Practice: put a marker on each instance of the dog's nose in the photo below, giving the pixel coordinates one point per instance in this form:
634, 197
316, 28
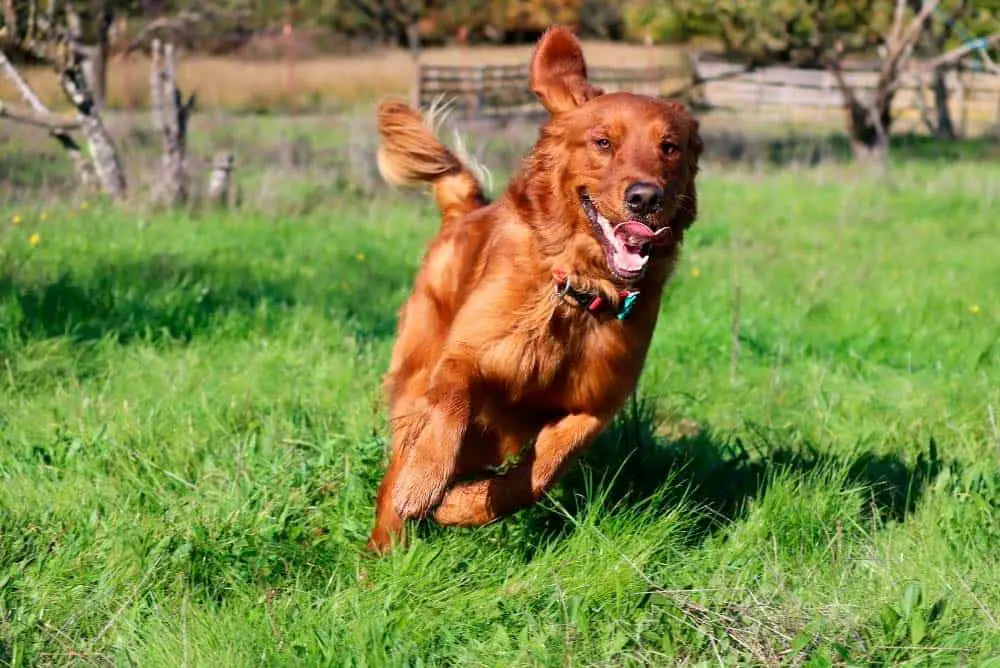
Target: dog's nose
643, 198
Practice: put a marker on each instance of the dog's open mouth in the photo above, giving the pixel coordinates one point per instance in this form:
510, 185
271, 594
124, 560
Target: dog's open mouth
626, 244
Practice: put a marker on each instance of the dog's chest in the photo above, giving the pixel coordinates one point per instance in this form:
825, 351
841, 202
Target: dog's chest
599, 373
579, 366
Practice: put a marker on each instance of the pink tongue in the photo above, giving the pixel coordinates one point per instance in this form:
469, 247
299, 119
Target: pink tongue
634, 234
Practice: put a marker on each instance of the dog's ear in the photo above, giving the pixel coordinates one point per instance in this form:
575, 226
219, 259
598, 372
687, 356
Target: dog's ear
687, 209
558, 72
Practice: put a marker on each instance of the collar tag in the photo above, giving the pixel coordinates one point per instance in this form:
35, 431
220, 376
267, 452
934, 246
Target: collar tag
627, 304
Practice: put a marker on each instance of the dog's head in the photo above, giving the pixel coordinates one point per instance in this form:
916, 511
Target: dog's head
620, 167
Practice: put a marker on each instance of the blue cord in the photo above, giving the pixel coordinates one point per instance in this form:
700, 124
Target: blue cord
974, 43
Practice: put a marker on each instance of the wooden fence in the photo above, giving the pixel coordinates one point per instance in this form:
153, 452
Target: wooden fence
492, 91
970, 93
502, 91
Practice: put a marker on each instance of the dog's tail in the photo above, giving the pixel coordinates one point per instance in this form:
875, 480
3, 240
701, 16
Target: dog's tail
410, 154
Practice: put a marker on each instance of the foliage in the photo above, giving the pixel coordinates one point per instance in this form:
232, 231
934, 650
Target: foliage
796, 31
822, 33
508, 20
788, 29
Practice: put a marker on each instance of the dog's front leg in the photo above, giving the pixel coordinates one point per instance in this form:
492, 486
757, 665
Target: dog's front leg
429, 461
483, 501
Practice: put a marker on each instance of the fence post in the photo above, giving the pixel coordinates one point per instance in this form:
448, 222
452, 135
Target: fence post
697, 89
998, 108
220, 180
758, 79
650, 86
289, 44
479, 83
963, 93
417, 85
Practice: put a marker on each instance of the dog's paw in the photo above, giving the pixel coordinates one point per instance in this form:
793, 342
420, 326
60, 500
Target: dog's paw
465, 505
379, 544
419, 487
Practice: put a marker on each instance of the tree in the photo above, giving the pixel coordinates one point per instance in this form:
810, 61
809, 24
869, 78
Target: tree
825, 34
171, 113
950, 28
53, 35
393, 20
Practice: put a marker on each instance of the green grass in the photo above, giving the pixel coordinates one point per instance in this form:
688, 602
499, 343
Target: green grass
191, 431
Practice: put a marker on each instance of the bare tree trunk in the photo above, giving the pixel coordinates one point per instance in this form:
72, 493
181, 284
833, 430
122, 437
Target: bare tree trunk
103, 151
220, 181
963, 107
95, 73
102, 51
944, 127
10, 21
77, 86
81, 166
868, 121
91, 59
869, 126
170, 116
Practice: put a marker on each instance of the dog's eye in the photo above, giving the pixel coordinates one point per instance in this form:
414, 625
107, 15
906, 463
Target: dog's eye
669, 148
603, 143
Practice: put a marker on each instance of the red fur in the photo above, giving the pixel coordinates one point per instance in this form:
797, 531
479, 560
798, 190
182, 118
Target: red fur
487, 359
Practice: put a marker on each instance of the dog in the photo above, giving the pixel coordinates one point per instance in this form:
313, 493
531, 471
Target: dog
530, 318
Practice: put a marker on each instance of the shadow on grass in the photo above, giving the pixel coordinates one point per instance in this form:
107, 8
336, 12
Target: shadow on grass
168, 297
631, 464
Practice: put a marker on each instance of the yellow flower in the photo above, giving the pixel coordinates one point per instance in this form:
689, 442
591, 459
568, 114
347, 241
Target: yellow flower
84, 204
16, 219
34, 239
695, 272
43, 216
360, 257
974, 309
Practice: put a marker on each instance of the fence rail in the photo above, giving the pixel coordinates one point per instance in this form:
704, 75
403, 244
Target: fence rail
787, 86
502, 91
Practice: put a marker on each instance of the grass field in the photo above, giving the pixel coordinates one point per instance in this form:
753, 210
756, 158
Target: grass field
191, 432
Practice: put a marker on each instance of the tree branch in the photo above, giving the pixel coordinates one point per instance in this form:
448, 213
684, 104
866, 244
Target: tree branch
21, 85
916, 26
83, 168
181, 21
10, 21
956, 54
846, 90
48, 122
948, 59
897, 21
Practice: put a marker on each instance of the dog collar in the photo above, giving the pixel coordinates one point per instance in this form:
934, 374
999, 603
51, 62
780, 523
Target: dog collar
593, 302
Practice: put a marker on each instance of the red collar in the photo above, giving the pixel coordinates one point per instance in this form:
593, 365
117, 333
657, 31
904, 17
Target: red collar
593, 302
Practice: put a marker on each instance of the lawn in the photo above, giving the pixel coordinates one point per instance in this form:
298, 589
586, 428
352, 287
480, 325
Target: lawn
191, 432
